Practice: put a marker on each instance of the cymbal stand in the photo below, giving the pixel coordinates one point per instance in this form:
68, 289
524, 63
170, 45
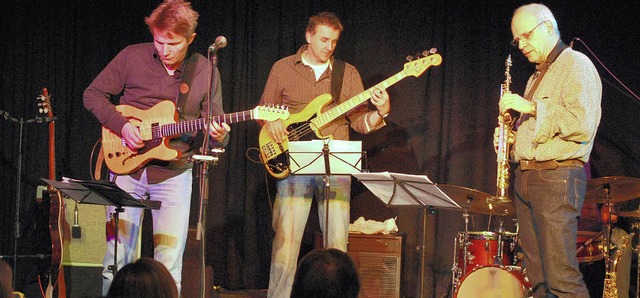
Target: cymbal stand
498, 257
462, 240
607, 233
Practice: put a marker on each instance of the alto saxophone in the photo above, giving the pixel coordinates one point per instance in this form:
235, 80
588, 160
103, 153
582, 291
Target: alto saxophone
505, 123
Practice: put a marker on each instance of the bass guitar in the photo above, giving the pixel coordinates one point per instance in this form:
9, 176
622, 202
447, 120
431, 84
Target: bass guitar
56, 206
158, 125
299, 124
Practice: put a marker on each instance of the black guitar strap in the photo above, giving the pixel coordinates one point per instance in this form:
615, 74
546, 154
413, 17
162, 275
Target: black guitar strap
337, 73
185, 84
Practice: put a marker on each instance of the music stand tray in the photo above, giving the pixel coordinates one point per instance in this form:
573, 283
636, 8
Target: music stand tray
395, 189
102, 192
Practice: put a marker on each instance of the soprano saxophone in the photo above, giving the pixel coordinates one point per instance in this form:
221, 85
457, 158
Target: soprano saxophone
505, 123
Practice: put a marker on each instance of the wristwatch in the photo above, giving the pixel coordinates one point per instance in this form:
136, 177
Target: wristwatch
383, 116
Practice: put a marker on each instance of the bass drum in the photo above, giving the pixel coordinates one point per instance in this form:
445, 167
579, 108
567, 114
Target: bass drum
494, 281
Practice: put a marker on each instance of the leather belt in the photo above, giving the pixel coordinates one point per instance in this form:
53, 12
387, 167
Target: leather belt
527, 165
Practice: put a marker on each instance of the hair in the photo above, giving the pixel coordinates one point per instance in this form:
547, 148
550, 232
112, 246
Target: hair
6, 288
145, 277
326, 273
175, 16
541, 12
324, 18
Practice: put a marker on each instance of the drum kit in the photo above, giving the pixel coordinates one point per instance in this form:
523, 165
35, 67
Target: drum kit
490, 264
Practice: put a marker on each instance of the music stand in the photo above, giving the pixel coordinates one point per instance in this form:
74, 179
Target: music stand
395, 189
106, 193
338, 158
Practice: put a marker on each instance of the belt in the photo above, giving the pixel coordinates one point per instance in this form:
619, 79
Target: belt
527, 165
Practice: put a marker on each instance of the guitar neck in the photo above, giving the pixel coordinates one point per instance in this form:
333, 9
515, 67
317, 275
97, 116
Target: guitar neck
353, 102
201, 123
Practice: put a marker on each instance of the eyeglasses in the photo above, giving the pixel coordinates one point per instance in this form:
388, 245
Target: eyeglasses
516, 41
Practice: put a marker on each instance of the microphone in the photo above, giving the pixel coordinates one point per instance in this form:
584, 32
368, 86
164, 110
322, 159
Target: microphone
220, 43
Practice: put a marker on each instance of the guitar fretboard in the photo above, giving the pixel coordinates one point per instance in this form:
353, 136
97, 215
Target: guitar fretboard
353, 102
200, 123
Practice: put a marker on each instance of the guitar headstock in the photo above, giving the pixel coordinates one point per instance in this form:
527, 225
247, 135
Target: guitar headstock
44, 103
270, 112
420, 65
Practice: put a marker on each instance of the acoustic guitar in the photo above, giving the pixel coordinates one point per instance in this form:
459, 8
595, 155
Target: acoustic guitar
273, 154
158, 125
56, 203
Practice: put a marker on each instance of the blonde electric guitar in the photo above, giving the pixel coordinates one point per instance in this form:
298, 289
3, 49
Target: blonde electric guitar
302, 123
158, 125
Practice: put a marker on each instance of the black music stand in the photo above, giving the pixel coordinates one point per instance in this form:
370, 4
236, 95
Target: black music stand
102, 192
333, 157
396, 189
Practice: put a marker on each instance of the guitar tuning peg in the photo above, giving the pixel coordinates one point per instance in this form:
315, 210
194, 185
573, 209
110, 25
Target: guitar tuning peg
432, 50
409, 58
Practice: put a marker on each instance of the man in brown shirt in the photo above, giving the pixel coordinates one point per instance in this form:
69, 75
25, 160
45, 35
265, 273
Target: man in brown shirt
295, 81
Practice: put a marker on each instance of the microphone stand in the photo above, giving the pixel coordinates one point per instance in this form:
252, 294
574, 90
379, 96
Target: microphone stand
17, 233
203, 173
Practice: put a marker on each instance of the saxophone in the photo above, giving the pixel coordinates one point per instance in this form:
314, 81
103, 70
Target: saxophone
610, 286
505, 123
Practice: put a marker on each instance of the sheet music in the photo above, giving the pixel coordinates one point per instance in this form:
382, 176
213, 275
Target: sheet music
306, 157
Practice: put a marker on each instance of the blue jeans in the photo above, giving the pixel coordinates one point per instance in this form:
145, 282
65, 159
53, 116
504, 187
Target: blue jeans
170, 224
548, 203
290, 213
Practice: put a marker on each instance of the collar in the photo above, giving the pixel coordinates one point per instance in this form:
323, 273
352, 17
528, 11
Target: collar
298, 56
557, 50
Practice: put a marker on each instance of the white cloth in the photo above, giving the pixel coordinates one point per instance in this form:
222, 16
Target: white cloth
373, 227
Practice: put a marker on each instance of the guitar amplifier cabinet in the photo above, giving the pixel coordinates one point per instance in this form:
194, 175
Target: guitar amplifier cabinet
88, 249
378, 259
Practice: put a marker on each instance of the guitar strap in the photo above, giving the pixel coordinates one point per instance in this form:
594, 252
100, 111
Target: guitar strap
185, 84
185, 87
337, 73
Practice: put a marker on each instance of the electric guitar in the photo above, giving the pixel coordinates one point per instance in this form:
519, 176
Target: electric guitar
302, 123
56, 206
158, 125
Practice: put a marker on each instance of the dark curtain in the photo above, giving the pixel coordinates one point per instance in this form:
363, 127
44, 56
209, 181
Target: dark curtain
441, 124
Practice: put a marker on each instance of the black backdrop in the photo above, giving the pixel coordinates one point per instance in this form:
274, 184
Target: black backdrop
441, 123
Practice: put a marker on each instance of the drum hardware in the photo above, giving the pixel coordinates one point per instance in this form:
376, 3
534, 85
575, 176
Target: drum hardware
636, 249
591, 249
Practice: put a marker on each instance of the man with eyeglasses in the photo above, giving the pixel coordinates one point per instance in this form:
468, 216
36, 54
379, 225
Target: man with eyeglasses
560, 112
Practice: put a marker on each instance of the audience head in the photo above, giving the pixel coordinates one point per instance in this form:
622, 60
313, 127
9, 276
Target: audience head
326, 273
6, 288
145, 277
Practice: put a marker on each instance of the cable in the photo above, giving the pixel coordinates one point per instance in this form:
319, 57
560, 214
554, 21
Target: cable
604, 66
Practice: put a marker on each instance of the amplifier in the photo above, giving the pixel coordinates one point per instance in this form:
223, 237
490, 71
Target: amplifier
378, 259
85, 244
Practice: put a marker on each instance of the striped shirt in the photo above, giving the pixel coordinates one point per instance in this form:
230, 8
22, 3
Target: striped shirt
294, 84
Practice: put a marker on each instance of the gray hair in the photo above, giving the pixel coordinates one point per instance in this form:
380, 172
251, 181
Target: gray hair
541, 12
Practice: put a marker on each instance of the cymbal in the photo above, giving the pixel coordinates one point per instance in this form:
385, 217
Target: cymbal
619, 189
634, 213
476, 201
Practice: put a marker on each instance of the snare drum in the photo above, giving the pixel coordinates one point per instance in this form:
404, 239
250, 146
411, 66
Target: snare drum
589, 246
494, 281
482, 249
